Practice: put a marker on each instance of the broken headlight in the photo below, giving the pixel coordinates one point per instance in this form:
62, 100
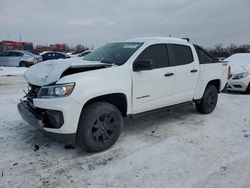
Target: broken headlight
58, 90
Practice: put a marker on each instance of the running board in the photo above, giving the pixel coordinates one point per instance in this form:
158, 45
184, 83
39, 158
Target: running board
134, 116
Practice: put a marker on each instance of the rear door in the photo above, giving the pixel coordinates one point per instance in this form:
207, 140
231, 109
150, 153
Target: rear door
14, 58
186, 73
153, 88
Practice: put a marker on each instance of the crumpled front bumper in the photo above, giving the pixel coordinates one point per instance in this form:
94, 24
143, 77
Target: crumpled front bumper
29, 114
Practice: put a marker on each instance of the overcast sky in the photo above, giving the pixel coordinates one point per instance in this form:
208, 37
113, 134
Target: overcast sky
94, 22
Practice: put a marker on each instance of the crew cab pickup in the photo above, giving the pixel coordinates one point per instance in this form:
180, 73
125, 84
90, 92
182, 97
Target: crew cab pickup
86, 100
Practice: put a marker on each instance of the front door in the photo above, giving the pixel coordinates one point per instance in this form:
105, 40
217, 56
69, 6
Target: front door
153, 88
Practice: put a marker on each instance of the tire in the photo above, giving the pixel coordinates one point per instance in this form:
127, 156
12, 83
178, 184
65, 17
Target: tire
23, 64
99, 126
224, 89
248, 89
209, 100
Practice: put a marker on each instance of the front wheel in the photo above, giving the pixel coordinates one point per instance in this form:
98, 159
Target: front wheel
99, 126
208, 101
248, 89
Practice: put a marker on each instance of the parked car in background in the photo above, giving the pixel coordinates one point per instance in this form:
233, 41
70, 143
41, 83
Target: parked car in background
48, 55
18, 58
240, 72
82, 54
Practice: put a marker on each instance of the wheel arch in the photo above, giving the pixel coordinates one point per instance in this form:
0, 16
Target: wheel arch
117, 99
216, 83
202, 88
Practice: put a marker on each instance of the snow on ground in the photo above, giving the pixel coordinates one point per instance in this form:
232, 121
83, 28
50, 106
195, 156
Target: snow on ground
7, 71
173, 148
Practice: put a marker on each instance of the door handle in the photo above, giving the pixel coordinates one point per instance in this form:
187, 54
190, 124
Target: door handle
169, 74
194, 70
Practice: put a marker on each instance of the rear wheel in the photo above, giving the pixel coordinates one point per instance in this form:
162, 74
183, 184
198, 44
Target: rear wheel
23, 64
99, 126
208, 101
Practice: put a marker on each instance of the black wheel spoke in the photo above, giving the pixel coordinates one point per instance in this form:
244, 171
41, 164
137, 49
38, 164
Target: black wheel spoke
105, 135
111, 127
107, 119
103, 128
96, 135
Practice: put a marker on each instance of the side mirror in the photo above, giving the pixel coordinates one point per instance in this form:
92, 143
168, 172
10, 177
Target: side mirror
145, 64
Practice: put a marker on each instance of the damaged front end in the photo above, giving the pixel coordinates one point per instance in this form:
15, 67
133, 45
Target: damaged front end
42, 118
46, 105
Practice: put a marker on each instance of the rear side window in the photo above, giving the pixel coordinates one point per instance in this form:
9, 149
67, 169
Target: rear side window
19, 54
61, 55
182, 54
203, 56
157, 53
15, 54
12, 54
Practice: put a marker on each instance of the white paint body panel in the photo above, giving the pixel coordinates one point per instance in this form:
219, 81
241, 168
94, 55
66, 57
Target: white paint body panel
163, 91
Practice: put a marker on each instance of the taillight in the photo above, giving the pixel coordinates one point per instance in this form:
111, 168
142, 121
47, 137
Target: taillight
229, 72
40, 58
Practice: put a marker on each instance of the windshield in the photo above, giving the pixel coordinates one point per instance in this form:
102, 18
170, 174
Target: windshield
114, 53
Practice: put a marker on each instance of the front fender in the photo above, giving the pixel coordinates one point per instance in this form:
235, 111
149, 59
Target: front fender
89, 85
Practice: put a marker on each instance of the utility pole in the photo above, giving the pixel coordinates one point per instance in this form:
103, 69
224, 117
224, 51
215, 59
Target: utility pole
20, 39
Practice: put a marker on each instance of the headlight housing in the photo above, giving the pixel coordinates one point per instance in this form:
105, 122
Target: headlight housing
58, 90
240, 75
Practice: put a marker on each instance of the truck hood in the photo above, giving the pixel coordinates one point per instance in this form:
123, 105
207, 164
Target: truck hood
49, 72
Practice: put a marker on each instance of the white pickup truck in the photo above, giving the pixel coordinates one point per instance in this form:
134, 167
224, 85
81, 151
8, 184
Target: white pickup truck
86, 100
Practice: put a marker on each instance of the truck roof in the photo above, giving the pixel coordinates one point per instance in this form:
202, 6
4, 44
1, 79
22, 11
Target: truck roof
157, 39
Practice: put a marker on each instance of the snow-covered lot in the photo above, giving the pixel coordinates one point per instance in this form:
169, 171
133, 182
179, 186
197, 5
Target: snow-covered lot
7, 71
173, 148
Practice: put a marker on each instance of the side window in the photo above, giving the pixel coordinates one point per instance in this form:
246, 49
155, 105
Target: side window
61, 56
4, 54
19, 54
203, 56
182, 54
157, 53
11, 54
